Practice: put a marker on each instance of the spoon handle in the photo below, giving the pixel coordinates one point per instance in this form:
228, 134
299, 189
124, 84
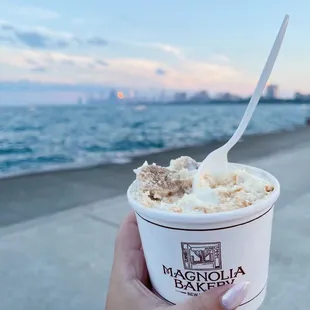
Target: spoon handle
259, 87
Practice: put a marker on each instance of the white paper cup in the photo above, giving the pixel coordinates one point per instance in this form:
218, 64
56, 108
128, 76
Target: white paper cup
187, 254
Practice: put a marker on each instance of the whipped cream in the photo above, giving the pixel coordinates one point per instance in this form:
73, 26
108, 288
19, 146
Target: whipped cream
170, 188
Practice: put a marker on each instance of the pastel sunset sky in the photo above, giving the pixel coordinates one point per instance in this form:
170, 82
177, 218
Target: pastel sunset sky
60, 49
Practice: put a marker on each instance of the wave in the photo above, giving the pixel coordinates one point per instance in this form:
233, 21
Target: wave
69, 137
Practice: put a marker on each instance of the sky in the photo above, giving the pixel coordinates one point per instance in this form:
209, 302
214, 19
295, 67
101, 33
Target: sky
56, 50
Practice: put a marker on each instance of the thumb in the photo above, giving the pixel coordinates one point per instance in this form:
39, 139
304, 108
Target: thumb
221, 298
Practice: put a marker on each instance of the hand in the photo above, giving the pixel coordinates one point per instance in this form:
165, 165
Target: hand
130, 287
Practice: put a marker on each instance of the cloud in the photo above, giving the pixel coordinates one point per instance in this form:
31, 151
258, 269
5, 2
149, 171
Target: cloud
7, 27
97, 41
39, 69
220, 58
101, 63
95, 64
51, 61
160, 71
68, 62
42, 38
167, 48
33, 39
37, 38
31, 61
126, 72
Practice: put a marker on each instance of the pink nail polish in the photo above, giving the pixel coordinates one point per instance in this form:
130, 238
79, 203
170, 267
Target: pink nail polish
235, 295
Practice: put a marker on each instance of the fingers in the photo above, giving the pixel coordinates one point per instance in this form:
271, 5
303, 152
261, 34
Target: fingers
128, 237
221, 298
234, 297
128, 257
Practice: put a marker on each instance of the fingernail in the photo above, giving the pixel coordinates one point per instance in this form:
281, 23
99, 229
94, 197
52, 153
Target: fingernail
235, 296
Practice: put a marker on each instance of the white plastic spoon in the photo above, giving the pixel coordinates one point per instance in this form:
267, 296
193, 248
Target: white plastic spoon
216, 162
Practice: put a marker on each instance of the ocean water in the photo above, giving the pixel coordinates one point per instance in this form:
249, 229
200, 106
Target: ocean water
54, 137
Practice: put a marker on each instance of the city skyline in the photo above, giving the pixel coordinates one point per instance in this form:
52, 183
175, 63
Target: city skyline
220, 47
112, 96
97, 94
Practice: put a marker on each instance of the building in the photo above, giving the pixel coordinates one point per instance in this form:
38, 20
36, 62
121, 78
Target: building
201, 96
179, 97
80, 101
271, 91
227, 97
162, 96
301, 97
113, 95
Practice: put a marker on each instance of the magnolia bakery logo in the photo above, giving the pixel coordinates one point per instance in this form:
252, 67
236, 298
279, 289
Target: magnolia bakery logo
203, 269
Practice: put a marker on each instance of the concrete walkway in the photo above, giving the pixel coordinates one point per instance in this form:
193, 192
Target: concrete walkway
62, 261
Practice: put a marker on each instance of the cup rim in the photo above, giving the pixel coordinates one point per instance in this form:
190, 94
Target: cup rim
217, 217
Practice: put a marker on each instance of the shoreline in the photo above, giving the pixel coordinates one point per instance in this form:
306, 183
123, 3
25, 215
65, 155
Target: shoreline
31, 147
211, 144
30, 196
